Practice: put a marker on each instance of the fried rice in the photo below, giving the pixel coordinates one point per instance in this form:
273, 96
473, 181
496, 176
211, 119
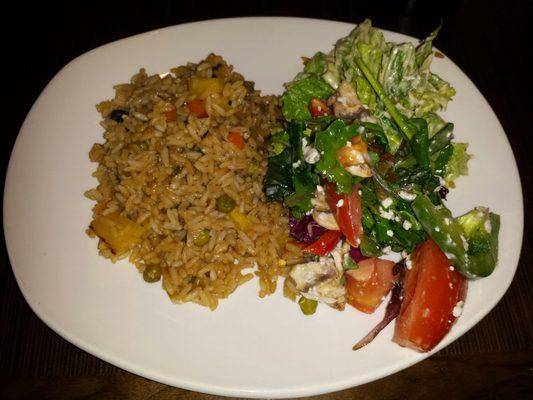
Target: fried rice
161, 169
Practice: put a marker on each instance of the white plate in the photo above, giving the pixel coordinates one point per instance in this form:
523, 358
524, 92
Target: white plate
248, 347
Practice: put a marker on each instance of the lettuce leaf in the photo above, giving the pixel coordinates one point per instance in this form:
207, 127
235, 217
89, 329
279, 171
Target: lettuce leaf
402, 69
295, 100
457, 165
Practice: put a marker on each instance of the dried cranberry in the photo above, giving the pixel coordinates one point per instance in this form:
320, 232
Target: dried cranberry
118, 115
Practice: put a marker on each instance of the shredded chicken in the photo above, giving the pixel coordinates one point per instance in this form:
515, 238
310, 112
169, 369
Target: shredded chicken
320, 281
346, 104
325, 219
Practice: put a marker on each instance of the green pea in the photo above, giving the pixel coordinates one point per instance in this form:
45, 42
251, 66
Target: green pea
225, 204
201, 237
307, 306
152, 273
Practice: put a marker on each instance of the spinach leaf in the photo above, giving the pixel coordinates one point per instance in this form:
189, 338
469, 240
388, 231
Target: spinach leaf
328, 142
278, 179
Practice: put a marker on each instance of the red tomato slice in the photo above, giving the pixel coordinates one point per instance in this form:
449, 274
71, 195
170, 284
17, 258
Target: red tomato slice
347, 212
431, 291
367, 286
325, 244
318, 108
197, 107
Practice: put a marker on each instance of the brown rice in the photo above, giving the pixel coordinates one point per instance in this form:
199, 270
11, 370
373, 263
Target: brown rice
167, 176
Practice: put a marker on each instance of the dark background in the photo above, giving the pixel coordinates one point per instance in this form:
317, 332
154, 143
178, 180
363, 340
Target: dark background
489, 40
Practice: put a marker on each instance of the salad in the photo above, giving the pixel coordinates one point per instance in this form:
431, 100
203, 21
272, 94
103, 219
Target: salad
364, 164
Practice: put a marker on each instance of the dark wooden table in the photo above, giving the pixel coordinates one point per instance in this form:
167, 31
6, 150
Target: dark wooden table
487, 39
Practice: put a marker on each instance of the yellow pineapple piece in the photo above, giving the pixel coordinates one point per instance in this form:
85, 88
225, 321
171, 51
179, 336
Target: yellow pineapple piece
204, 87
118, 232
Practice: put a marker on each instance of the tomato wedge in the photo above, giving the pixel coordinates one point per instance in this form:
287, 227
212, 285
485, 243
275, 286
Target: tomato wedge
431, 292
367, 286
318, 108
347, 212
325, 244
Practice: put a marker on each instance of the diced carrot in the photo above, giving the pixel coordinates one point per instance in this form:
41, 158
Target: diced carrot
197, 107
171, 115
237, 139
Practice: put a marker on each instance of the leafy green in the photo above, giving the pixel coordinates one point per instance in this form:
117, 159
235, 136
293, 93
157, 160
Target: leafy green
317, 64
444, 230
458, 164
289, 179
481, 229
400, 73
279, 141
328, 142
350, 263
435, 123
295, 100
369, 246
402, 70
424, 50
394, 137
278, 179
374, 135
420, 142
386, 226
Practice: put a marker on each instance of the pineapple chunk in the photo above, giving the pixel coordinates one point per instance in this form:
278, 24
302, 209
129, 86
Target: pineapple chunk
241, 221
118, 232
204, 87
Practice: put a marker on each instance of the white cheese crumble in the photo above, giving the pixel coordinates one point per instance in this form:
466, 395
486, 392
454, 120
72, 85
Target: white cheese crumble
386, 214
452, 268
297, 164
447, 221
319, 189
340, 203
437, 229
406, 195
408, 263
386, 250
458, 309
390, 233
360, 130
406, 225
386, 203
310, 154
